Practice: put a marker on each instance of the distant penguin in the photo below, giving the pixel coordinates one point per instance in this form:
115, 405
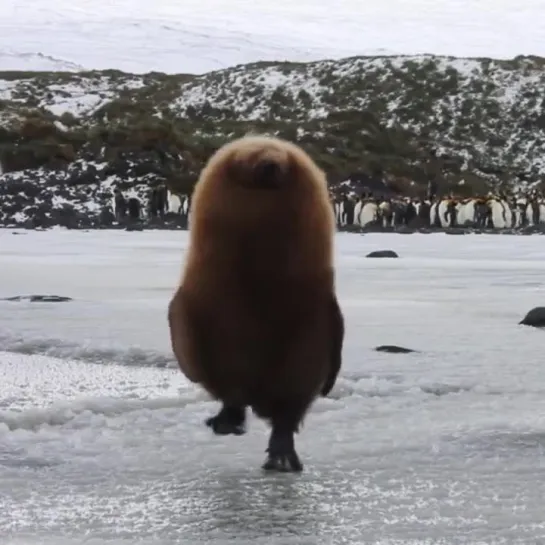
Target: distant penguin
152, 202
120, 205
134, 208
255, 320
410, 213
424, 213
349, 206
162, 200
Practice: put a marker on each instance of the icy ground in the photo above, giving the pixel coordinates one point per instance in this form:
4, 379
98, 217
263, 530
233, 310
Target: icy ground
101, 442
197, 36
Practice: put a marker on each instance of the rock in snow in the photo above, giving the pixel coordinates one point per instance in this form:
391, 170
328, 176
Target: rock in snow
382, 253
39, 298
534, 318
393, 349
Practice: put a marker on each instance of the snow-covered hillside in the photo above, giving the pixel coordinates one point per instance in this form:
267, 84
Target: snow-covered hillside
484, 118
167, 100
196, 36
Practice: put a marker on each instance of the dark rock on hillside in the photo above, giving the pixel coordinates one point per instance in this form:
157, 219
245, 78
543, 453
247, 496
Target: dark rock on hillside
39, 298
382, 253
393, 349
534, 318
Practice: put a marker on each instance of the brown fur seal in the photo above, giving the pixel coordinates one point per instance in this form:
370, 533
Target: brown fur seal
255, 320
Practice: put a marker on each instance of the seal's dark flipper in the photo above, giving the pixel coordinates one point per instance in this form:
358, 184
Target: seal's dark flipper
337, 338
281, 454
229, 421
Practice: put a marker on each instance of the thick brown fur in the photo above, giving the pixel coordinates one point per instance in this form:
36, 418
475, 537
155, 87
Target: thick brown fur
255, 319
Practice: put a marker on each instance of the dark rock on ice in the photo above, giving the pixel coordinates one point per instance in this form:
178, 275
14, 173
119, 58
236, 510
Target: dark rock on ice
39, 298
393, 349
534, 318
382, 253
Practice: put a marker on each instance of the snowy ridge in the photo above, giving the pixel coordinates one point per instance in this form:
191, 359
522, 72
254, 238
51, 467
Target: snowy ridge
35, 62
90, 353
404, 386
64, 413
80, 411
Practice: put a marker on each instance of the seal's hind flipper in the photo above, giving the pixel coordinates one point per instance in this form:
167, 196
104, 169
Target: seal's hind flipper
337, 338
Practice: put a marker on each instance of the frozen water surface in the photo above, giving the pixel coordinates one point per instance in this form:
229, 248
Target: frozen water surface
102, 440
